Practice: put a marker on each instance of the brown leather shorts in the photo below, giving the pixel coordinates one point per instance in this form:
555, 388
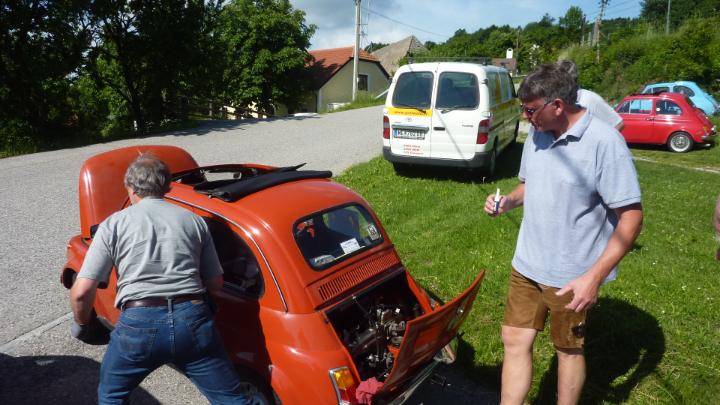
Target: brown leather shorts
528, 305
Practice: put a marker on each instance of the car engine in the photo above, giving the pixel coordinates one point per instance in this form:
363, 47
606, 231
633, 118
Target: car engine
372, 326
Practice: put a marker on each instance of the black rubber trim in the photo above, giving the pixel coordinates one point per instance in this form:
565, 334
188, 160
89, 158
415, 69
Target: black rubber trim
244, 187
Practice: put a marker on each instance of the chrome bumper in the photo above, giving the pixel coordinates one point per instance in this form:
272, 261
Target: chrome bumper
710, 136
446, 355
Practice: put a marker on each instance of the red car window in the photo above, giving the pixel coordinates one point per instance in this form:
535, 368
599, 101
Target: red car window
667, 107
241, 271
331, 236
641, 106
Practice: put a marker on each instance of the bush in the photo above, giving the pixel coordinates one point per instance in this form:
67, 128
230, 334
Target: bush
17, 137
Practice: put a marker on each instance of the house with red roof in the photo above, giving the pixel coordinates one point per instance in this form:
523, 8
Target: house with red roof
332, 75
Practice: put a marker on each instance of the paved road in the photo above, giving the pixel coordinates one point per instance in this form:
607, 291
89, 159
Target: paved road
39, 361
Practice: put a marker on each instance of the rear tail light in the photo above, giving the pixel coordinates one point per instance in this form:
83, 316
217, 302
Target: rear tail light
483, 131
344, 385
386, 127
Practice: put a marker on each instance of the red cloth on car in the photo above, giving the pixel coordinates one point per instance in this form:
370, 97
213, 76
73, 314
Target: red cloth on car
366, 390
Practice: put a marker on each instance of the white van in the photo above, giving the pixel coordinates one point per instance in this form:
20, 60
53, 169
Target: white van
449, 114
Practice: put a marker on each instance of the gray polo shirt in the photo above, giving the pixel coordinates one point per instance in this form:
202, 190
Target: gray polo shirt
158, 248
572, 185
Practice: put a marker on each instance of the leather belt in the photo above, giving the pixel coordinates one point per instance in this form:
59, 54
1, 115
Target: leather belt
160, 301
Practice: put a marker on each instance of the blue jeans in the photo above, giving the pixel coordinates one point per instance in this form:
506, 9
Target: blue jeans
184, 334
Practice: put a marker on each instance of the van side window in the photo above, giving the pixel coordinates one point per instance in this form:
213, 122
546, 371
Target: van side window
413, 89
494, 88
506, 86
457, 90
241, 271
513, 94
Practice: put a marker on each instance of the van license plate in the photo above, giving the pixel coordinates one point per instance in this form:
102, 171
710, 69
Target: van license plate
408, 134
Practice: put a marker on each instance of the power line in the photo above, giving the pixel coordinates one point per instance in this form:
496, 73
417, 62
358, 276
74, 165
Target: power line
407, 25
613, 7
616, 13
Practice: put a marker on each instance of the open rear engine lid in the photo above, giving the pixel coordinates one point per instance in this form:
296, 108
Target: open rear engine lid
428, 334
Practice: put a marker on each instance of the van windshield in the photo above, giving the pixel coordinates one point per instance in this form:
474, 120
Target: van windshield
457, 90
414, 90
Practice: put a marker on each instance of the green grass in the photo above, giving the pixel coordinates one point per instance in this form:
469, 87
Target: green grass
364, 99
654, 337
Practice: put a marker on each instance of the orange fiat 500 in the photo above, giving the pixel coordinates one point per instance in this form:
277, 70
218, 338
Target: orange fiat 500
317, 307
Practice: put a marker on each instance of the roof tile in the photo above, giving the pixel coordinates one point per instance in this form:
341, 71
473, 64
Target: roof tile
327, 62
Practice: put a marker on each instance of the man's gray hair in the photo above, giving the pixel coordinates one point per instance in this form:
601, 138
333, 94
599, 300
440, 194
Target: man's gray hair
548, 82
148, 176
570, 67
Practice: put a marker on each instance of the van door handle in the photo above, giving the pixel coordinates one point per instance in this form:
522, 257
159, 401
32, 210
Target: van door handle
649, 119
438, 128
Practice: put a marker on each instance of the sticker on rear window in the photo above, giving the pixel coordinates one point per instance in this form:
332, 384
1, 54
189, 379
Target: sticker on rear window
350, 245
372, 232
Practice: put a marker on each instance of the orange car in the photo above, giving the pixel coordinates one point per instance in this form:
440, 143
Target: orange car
317, 307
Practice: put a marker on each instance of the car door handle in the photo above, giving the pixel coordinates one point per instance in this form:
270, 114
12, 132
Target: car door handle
649, 119
438, 128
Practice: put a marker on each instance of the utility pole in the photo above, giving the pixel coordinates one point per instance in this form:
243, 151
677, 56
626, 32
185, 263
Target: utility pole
667, 19
356, 57
596, 29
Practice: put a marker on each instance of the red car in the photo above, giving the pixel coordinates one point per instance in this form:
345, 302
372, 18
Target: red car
664, 119
316, 304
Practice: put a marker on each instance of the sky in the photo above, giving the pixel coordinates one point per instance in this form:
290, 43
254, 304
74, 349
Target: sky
388, 21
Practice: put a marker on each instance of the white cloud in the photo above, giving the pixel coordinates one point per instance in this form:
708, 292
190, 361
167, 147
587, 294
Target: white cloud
425, 19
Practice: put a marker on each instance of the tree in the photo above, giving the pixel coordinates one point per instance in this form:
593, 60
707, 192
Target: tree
655, 11
41, 48
266, 54
374, 46
144, 51
573, 22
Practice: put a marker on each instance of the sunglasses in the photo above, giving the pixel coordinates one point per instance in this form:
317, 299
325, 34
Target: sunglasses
532, 111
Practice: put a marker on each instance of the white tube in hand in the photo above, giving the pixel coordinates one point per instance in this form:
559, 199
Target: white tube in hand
497, 200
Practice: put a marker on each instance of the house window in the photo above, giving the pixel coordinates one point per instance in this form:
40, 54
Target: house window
362, 82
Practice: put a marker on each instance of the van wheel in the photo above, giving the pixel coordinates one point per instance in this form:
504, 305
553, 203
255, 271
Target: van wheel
257, 391
492, 165
400, 168
680, 142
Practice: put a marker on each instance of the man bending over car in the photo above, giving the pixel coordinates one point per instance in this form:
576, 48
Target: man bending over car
165, 260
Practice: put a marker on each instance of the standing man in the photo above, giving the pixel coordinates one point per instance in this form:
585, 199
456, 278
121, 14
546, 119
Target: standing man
165, 261
592, 101
582, 213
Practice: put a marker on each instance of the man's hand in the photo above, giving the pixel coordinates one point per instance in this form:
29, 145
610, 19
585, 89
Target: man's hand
490, 205
512, 200
92, 333
585, 293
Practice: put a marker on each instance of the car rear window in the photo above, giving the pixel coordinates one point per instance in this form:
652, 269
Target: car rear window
457, 90
413, 89
331, 236
684, 90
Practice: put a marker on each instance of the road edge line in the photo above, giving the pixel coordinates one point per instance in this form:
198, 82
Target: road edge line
9, 346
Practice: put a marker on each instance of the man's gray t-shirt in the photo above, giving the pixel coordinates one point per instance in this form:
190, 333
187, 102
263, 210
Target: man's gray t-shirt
598, 107
572, 186
158, 248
